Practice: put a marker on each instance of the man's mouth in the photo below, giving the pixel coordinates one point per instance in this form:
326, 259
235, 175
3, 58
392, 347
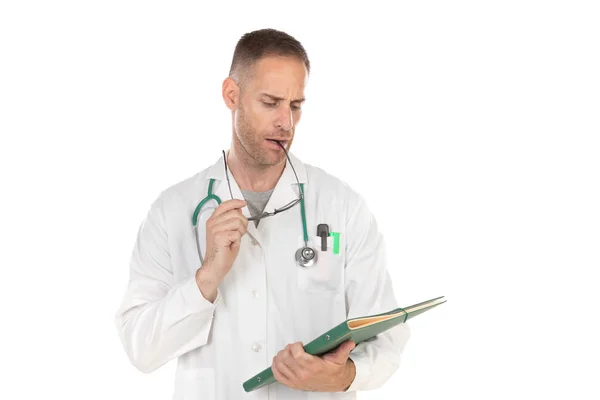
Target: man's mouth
277, 142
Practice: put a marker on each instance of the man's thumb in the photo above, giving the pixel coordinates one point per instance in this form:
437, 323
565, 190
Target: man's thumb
341, 354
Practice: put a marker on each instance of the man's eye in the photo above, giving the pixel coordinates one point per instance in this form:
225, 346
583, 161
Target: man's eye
296, 108
269, 104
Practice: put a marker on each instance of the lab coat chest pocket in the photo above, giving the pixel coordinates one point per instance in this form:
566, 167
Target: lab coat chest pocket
195, 383
327, 273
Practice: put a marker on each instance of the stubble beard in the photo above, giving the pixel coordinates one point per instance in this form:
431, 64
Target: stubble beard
252, 148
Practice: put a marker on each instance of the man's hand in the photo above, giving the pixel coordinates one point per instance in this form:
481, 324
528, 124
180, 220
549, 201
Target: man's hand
224, 231
332, 372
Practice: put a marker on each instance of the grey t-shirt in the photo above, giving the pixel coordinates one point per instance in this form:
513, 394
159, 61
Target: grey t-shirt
256, 202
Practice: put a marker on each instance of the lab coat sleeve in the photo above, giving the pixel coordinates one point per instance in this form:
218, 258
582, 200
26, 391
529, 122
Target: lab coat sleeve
159, 318
369, 291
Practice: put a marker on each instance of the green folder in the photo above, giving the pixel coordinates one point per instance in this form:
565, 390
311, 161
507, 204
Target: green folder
357, 329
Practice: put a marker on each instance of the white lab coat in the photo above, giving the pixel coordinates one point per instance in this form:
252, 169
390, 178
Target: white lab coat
266, 301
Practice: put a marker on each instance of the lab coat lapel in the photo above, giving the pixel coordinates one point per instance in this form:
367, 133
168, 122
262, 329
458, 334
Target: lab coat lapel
221, 189
237, 194
286, 191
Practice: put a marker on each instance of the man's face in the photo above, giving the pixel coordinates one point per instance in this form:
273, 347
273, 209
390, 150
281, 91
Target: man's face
269, 109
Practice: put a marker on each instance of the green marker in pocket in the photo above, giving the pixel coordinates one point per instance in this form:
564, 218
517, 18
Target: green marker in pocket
336, 242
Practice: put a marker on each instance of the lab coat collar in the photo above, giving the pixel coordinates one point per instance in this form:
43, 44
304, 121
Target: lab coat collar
284, 192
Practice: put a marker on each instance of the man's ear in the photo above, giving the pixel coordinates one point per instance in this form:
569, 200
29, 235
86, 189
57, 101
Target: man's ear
231, 94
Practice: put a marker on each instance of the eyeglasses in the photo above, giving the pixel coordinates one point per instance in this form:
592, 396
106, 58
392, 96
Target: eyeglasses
277, 210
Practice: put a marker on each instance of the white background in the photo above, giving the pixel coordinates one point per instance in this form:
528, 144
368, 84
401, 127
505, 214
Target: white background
470, 127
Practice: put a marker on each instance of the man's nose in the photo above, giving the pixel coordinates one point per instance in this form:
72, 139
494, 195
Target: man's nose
285, 118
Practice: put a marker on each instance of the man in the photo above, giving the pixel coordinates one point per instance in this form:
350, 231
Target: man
237, 297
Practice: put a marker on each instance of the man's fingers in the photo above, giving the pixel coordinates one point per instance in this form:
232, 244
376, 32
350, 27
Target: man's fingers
233, 224
279, 376
228, 206
226, 238
296, 349
301, 357
299, 363
231, 214
285, 369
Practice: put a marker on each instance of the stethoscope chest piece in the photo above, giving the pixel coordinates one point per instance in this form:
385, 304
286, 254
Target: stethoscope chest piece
306, 256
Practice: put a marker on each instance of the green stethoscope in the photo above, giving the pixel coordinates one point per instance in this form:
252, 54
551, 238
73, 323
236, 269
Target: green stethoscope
305, 256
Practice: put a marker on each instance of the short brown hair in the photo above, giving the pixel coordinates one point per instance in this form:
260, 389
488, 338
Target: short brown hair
254, 45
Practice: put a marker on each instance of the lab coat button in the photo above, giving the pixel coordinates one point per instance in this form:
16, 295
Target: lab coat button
254, 294
256, 347
254, 242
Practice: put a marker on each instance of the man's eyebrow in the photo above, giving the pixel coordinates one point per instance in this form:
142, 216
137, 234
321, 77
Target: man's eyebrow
301, 100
